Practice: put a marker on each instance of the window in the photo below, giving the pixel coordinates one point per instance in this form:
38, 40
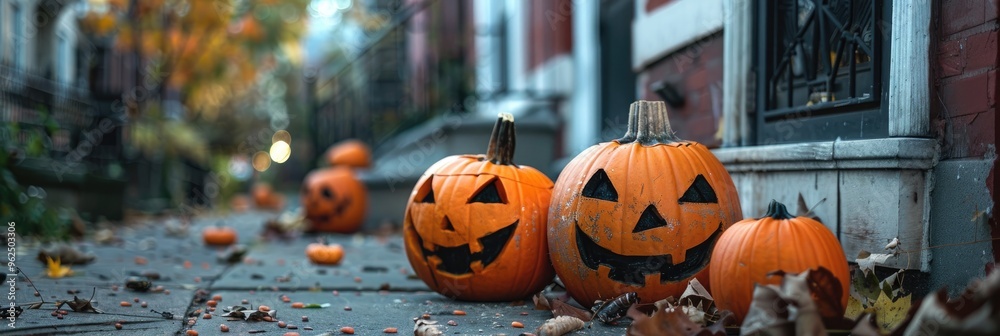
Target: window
64, 59
17, 39
821, 70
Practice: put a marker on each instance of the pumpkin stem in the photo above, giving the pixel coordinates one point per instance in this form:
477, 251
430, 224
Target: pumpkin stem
502, 141
777, 210
648, 124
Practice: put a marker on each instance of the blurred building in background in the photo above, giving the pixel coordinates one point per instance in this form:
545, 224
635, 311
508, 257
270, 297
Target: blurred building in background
876, 115
57, 126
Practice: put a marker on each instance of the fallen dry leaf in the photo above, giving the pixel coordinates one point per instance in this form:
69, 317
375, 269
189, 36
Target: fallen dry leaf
695, 295
825, 290
80, 305
562, 308
975, 312
66, 254
560, 326
665, 322
786, 310
56, 270
866, 326
541, 302
426, 328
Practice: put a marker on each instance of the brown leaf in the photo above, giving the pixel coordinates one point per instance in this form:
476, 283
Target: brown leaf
725, 318
696, 295
866, 326
560, 326
768, 313
82, 306
66, 254
975, 312
824, 289
561, 308
541, 302
666, 322
426, 328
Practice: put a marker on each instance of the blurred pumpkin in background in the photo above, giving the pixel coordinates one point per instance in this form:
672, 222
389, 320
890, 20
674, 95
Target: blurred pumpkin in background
334, 200
265, 197
350, 153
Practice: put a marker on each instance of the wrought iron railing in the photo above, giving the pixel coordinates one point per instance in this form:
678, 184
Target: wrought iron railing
385, 87
821, 69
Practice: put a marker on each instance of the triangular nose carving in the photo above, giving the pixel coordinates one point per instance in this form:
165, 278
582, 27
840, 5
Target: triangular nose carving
650, 219
446, 225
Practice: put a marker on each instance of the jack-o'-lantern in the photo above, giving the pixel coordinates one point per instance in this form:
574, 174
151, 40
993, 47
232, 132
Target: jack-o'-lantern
474, 227
350, 153
639, 214
334, 200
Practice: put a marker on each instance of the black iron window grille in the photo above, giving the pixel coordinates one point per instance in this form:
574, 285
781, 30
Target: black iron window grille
821, 67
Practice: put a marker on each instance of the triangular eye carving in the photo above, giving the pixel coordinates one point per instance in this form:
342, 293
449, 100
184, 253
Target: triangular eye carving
427, 190
650, 219
699, 192
446, 225
327, 193
492, 192
600, 187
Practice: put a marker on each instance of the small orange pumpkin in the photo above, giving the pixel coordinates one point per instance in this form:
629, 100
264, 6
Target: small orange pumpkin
752, 248
334, 200
474, 227
350, 153
640, 213
325, 254
265, 197
219, 235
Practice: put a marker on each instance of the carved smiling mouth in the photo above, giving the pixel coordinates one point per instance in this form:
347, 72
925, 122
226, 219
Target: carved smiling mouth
458, 260
634, 269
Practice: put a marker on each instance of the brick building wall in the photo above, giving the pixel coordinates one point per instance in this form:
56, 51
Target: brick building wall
966, 86
696, 72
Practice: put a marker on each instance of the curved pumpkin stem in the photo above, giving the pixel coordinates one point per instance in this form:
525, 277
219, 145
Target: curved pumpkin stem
502, 141
648, 124
777, 210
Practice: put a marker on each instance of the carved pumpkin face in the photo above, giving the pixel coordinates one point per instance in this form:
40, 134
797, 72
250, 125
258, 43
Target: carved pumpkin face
334, 200
475, 229
640, 214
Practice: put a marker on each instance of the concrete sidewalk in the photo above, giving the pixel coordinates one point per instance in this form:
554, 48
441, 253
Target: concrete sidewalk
372, 289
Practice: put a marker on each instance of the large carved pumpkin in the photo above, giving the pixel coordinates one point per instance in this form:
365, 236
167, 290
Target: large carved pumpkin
475, 224
639, 214
334, 200
753, 248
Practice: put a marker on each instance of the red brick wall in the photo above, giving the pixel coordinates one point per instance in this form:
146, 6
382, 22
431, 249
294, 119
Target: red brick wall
966, 81
696, 71
550, 30
966, 76
654, 4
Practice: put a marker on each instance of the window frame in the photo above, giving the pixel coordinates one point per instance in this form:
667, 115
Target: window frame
852, 118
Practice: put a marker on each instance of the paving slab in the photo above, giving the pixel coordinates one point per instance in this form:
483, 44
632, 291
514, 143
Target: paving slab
370, 263
370, 313
135, 317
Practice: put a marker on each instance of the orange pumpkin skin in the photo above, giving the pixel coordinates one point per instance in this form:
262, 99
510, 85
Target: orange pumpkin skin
265, 197
474, 227
752, 248
334, 200
324, 254
350, 153
639, 214
219, 235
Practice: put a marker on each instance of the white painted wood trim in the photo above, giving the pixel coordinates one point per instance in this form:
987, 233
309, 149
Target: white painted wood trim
737, 45
909, 69
583, 127
671, 27
888, 153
